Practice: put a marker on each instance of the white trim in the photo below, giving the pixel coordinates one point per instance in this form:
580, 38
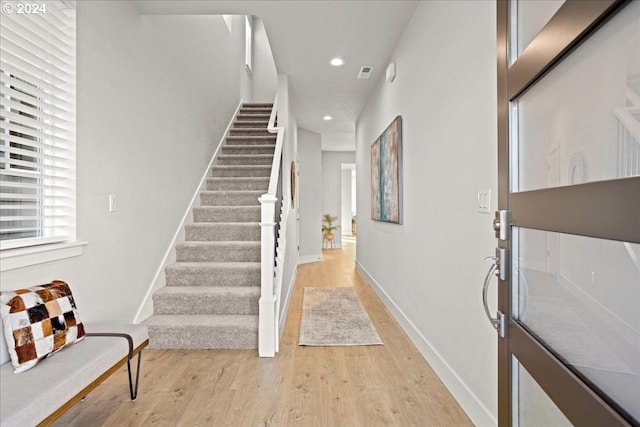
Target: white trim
170, 255
633, 97
248, 44
480, 415
626, 117
285, 304
266, 326
271, 126
12, 259
309, 258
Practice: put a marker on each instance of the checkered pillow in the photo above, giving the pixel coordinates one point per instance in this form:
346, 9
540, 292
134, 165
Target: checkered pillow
38, 322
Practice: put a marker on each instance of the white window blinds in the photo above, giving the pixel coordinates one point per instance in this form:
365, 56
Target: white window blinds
37, 123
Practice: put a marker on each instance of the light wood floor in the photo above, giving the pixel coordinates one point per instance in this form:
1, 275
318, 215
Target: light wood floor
303, 386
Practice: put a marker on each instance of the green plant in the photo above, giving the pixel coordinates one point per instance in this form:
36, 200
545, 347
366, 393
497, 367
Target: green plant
328, 227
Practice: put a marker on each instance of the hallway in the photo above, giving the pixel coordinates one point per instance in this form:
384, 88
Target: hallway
306, 386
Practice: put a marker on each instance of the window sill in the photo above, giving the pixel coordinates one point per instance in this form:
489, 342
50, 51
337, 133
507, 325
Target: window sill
12, 259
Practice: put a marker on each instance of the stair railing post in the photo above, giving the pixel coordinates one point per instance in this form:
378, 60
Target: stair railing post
267, 317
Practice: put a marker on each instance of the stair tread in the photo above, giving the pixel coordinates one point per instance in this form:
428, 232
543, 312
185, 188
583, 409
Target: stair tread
239, 178
244, 141
253, 137
214, 264
215, 291
244, 156
248, 147
228, 208
242, 166
267, 135
212, 224
192, 243
207, 320
225, 192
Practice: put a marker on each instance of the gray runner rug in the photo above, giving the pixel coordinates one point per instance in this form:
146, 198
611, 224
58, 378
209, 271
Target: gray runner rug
335, 317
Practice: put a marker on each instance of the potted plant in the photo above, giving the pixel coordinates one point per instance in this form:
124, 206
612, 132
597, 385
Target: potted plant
327, 229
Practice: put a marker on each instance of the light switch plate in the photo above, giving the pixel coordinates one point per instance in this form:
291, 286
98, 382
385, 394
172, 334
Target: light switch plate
113, 203
484, 200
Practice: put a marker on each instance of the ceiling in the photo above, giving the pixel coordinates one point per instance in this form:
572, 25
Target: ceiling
304, 36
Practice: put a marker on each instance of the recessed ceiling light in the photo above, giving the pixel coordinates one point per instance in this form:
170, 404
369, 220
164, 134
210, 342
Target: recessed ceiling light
327, 118
336, 62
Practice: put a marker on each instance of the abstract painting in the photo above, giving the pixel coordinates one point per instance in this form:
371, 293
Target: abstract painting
386, 174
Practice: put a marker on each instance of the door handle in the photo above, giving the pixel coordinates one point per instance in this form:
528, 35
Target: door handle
498, 323
485, 288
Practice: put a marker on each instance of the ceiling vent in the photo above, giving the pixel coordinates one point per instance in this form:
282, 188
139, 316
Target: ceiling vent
365, 72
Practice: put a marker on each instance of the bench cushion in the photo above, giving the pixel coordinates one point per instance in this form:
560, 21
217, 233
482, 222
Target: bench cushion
39, 321
30, 397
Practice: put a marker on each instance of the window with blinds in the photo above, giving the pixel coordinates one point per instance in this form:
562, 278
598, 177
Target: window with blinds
37, 123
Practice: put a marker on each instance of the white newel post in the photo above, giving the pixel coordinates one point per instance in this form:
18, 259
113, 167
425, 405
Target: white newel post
267, 304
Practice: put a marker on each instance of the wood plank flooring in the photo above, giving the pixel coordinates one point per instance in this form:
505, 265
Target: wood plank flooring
389, 385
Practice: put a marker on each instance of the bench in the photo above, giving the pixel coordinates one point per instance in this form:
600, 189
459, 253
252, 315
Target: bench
43, 393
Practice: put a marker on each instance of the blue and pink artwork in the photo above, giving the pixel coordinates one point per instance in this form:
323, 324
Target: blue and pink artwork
386, 174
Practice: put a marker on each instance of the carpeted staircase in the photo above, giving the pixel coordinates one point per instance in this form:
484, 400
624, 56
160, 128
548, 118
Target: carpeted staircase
211, 296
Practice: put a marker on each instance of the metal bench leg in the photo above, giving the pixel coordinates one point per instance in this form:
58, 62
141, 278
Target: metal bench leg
133, 388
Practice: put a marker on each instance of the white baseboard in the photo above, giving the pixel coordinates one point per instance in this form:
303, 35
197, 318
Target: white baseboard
309, 258
479, 414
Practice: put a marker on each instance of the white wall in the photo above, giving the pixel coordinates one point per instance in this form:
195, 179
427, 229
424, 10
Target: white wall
332, 186
153, 102
265, 76
310, 204
339, 141
429, 271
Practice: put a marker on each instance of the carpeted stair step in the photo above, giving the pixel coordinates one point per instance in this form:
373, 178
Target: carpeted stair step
251, 115
236, 150
241, 170
206, 300
238, 183
230, 198
222, 231
192, 332
245, 159
221, 251
242, 124
226, 214
213, 274
262, 115
266, 139
262, 131
257, 105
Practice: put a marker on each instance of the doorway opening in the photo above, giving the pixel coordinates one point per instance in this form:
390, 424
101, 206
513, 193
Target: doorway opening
348, 212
